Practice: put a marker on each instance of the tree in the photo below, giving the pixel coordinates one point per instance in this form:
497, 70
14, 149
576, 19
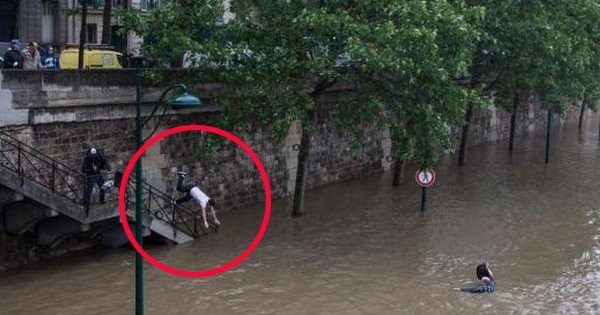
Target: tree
527, 46
586, 15
84, 7
402, 59
106, 22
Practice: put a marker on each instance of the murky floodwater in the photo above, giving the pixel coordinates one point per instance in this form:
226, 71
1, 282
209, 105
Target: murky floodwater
365, 249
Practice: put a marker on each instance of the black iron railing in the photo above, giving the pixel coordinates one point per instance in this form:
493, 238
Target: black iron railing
36, 167
159, 205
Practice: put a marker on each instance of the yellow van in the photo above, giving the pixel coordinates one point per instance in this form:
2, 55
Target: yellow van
92, 59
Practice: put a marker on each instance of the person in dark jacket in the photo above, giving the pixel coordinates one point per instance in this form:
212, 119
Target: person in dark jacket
50, 59
93, 163
486, 276
13, 59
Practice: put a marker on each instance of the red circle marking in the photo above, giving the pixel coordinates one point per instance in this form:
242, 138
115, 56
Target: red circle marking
235, 261
425, 184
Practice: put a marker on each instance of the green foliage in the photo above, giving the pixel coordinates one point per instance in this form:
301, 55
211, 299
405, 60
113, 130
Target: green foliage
540, 46
403, 59
177, 27
277, 57
415, 67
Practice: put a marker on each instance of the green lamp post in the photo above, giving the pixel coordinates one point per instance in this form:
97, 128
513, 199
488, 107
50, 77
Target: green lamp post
182, 101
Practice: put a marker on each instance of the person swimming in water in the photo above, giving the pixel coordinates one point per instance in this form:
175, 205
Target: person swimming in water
487, 281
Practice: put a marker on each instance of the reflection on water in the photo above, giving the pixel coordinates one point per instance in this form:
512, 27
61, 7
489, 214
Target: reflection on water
364, 248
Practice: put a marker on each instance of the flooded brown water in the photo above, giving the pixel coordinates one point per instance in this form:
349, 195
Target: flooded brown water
364, 248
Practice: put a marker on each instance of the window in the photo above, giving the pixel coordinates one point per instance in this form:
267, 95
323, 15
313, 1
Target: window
8, 16
48, 10
92, 33
146, 5
91, 5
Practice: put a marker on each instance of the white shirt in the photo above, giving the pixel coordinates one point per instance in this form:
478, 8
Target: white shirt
200, 196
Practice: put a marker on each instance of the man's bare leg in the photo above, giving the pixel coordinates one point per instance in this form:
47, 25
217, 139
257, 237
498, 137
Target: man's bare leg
204, 217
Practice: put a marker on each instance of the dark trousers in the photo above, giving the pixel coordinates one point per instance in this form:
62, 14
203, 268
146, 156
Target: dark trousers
89, 187
184, 189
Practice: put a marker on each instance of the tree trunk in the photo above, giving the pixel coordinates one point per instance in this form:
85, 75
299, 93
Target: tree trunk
398, 168
581, 114
513, 123
302, 166
82, 32
106, 19
304, 151
464, 139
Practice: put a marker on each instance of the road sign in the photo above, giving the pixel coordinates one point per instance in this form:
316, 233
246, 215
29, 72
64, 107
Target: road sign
425, 178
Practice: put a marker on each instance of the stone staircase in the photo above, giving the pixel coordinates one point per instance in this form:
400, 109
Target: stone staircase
47, 193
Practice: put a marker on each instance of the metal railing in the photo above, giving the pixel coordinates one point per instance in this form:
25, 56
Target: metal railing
159, 205
36, 167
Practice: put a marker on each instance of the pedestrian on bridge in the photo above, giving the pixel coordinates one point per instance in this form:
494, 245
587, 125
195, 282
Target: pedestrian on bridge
13, 59
192, 191
93, 163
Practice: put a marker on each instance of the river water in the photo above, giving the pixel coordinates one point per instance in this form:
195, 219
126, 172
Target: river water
364, 248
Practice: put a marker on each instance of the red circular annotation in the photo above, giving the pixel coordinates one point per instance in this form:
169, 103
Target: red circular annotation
235, 261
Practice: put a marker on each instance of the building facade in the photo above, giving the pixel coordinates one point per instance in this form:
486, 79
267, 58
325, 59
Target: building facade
33, 20
57, 22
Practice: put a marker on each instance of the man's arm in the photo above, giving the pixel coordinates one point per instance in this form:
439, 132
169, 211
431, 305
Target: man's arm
476, 289
212, 210
85, 167
40, 65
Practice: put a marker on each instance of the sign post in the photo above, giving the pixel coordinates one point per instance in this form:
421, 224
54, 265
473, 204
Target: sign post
425, 178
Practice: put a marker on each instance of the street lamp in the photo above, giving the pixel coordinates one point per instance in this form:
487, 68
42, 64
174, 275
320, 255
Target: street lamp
184, 100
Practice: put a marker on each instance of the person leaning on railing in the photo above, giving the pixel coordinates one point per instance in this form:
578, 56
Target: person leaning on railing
13, 59
31, 57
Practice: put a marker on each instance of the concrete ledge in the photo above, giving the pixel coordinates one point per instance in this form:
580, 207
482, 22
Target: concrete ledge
102, 112
68, 88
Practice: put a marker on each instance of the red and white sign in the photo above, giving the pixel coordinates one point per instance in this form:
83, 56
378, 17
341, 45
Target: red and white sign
425, 178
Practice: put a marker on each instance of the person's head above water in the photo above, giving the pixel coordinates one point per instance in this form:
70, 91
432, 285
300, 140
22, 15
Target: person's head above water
482, 271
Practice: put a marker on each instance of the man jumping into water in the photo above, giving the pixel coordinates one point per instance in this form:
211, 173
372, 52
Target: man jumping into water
487, 281
192, 191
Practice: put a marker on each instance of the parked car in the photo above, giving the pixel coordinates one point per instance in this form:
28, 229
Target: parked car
92, 59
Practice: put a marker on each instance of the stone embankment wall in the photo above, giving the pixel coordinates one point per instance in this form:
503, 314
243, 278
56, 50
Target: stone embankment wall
62, 113
493, 124
63, 124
